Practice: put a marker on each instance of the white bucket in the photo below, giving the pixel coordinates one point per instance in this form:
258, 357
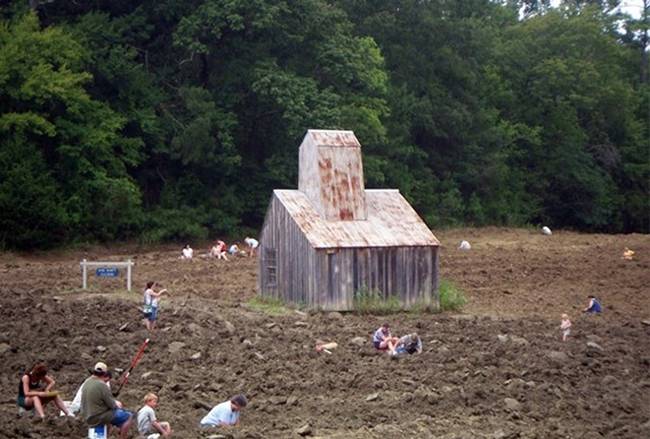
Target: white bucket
99, 432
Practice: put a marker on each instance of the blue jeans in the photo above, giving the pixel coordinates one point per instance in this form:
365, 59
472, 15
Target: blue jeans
120, 416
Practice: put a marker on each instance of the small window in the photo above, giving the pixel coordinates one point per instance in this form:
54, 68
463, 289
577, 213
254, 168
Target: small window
270, 267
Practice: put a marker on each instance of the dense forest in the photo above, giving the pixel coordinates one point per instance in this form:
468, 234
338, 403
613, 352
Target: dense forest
174, 120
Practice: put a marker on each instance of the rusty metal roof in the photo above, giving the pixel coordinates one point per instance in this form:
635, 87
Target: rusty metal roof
391, 222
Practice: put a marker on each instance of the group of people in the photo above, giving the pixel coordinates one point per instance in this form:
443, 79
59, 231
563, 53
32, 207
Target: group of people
220, 250
98, 407
383, 340
593, 307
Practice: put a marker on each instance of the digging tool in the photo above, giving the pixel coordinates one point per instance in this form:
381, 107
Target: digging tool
134, 363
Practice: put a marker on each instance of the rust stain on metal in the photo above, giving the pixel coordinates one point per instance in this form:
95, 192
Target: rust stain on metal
334, 138
391, 222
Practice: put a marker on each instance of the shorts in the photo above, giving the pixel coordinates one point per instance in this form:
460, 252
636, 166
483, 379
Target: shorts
378, 346
21, 402
120, 416
566, 332
153, 315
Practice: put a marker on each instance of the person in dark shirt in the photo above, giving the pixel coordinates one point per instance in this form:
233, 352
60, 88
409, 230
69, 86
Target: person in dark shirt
35, 391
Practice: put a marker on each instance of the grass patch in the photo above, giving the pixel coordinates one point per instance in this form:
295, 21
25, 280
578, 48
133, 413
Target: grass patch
268, 305
452, 298
372, 301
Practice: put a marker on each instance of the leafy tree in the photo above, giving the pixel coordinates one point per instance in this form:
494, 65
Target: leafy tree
46, 111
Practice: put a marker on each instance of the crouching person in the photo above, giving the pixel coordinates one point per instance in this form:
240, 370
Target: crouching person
148, 425
98, 407
225, 414
409, 344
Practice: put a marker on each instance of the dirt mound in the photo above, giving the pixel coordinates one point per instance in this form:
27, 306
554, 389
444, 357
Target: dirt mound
499, 370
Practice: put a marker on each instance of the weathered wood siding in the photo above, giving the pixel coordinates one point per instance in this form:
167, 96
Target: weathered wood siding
327, 278
409, 273
294, 258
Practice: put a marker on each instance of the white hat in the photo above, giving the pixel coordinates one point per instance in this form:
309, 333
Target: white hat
101, 367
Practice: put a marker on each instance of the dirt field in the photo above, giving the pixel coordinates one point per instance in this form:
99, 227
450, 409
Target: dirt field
498, 370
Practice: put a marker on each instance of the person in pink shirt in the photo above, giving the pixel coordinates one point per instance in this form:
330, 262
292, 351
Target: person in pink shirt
565, 326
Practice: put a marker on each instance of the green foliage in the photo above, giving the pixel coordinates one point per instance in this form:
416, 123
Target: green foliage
172, 120
373, 301
182, 226
268, 305
452, 298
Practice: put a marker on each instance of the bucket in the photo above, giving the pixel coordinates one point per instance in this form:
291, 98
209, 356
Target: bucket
99, 432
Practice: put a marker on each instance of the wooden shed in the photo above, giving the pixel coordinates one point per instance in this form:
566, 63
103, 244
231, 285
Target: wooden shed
332, 237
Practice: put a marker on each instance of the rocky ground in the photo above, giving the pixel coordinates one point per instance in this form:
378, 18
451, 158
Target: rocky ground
497, 370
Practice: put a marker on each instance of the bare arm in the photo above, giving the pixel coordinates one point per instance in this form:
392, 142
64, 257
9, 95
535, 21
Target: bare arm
26, 390
50, 383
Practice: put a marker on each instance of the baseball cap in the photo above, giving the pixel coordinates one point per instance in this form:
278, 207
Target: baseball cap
101, 367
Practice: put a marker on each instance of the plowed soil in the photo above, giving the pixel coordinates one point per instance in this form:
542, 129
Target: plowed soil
497, 369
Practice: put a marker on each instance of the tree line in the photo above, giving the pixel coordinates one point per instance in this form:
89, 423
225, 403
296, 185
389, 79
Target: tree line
172, 121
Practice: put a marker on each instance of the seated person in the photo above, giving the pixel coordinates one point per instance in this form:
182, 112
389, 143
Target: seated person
99, 407
383, 339
233, 249
409, 344
226, 413
594, 306
75, 405
219, 250
35, 391
188, 252
148, 424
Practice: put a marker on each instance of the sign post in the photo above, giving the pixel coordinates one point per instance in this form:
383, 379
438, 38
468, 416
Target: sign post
106, 269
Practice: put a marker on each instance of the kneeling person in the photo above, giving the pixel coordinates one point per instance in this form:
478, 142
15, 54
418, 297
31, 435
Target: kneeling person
409, 344
226, 413
98, 407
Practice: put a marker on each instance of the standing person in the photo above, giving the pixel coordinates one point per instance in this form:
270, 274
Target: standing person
409, 344
252, 245
565, 326
98, 407
383, 340
35, 391
594, 306
151, 304
148, 424
226, 413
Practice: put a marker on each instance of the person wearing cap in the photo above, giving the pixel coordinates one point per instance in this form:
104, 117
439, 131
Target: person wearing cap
148, 423
98, 407
35, 391
225, 414
75, 405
